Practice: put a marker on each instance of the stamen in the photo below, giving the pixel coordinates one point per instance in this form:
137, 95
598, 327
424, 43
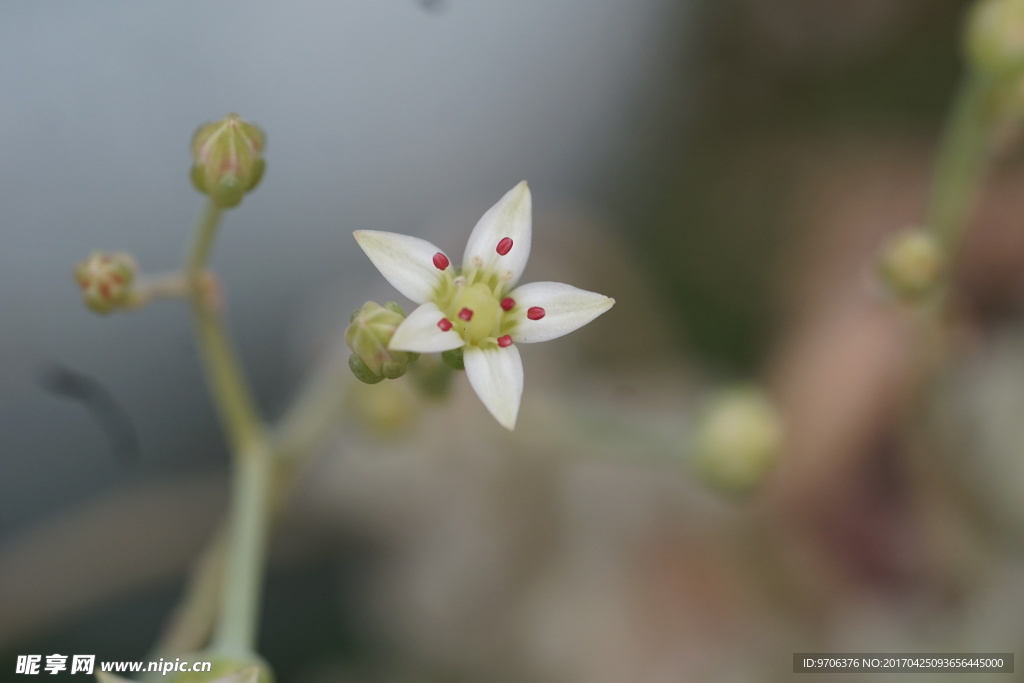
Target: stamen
508, 303
445, 324
535, 313
505, 341
504, 246
440, 261
466, 314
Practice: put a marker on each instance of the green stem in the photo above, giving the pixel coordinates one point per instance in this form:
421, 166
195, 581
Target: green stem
247, 540
229, 389
315, 413
961, 162
248, 517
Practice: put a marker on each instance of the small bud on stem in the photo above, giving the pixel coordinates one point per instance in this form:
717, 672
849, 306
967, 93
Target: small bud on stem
228, 160
106, 280
995, 38
369, 332
738, 439
911, 265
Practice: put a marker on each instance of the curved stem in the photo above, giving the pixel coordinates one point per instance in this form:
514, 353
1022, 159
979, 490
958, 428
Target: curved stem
961, 162
295, 438
247, 521
229, 389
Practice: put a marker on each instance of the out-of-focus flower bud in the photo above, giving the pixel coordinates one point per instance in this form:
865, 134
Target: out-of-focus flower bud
106, 280
738, 439
454, 359
995, 37
911, 265
390, 410
228, 159
368, 335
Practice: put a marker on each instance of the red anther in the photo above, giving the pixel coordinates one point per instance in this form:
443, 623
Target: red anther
535, 313
466, 314
445, 324
505, 341
504, 246
508, 303
440, 261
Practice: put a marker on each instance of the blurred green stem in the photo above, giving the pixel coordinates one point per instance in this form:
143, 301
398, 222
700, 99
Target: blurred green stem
247, 522
229, 389
314, 413
961, 162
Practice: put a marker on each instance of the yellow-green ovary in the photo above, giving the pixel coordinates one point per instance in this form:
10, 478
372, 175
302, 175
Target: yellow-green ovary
486, 320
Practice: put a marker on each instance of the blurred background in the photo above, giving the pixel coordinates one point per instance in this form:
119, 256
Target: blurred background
725, 169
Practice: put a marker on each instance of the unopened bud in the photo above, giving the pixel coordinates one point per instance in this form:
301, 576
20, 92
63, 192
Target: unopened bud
738, 439
106, 280
368, 335
995, 37
363, 373
228, 159
911, 265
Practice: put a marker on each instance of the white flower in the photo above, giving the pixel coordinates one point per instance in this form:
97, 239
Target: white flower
475, 307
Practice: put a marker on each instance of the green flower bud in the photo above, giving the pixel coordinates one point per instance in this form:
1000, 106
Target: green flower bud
368, 335
228, 159
393, 306
995, 37
738, 439
362, 372
912, 265
106, 280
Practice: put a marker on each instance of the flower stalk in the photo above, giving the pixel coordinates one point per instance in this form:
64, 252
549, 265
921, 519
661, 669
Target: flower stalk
961, 161
247, 524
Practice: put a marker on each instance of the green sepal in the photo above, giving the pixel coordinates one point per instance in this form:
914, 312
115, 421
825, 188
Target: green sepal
395, 308
454, 359
363, 373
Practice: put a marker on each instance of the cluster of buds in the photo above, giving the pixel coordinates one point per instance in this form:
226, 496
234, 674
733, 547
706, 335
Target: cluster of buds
228, 159
995, 38
106, 280
369, 334
911, 265
739, 438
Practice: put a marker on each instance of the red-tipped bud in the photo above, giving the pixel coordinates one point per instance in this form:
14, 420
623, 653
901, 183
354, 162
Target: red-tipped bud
106, 280
228, 159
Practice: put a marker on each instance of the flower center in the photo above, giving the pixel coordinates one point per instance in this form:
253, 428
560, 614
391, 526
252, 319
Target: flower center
475, 313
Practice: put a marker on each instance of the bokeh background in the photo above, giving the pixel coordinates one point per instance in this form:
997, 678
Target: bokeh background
725, 169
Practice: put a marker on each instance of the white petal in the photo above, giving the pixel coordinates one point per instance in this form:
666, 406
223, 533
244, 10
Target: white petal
566, 308
511, 217
406, 262
420, 333
496, 376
